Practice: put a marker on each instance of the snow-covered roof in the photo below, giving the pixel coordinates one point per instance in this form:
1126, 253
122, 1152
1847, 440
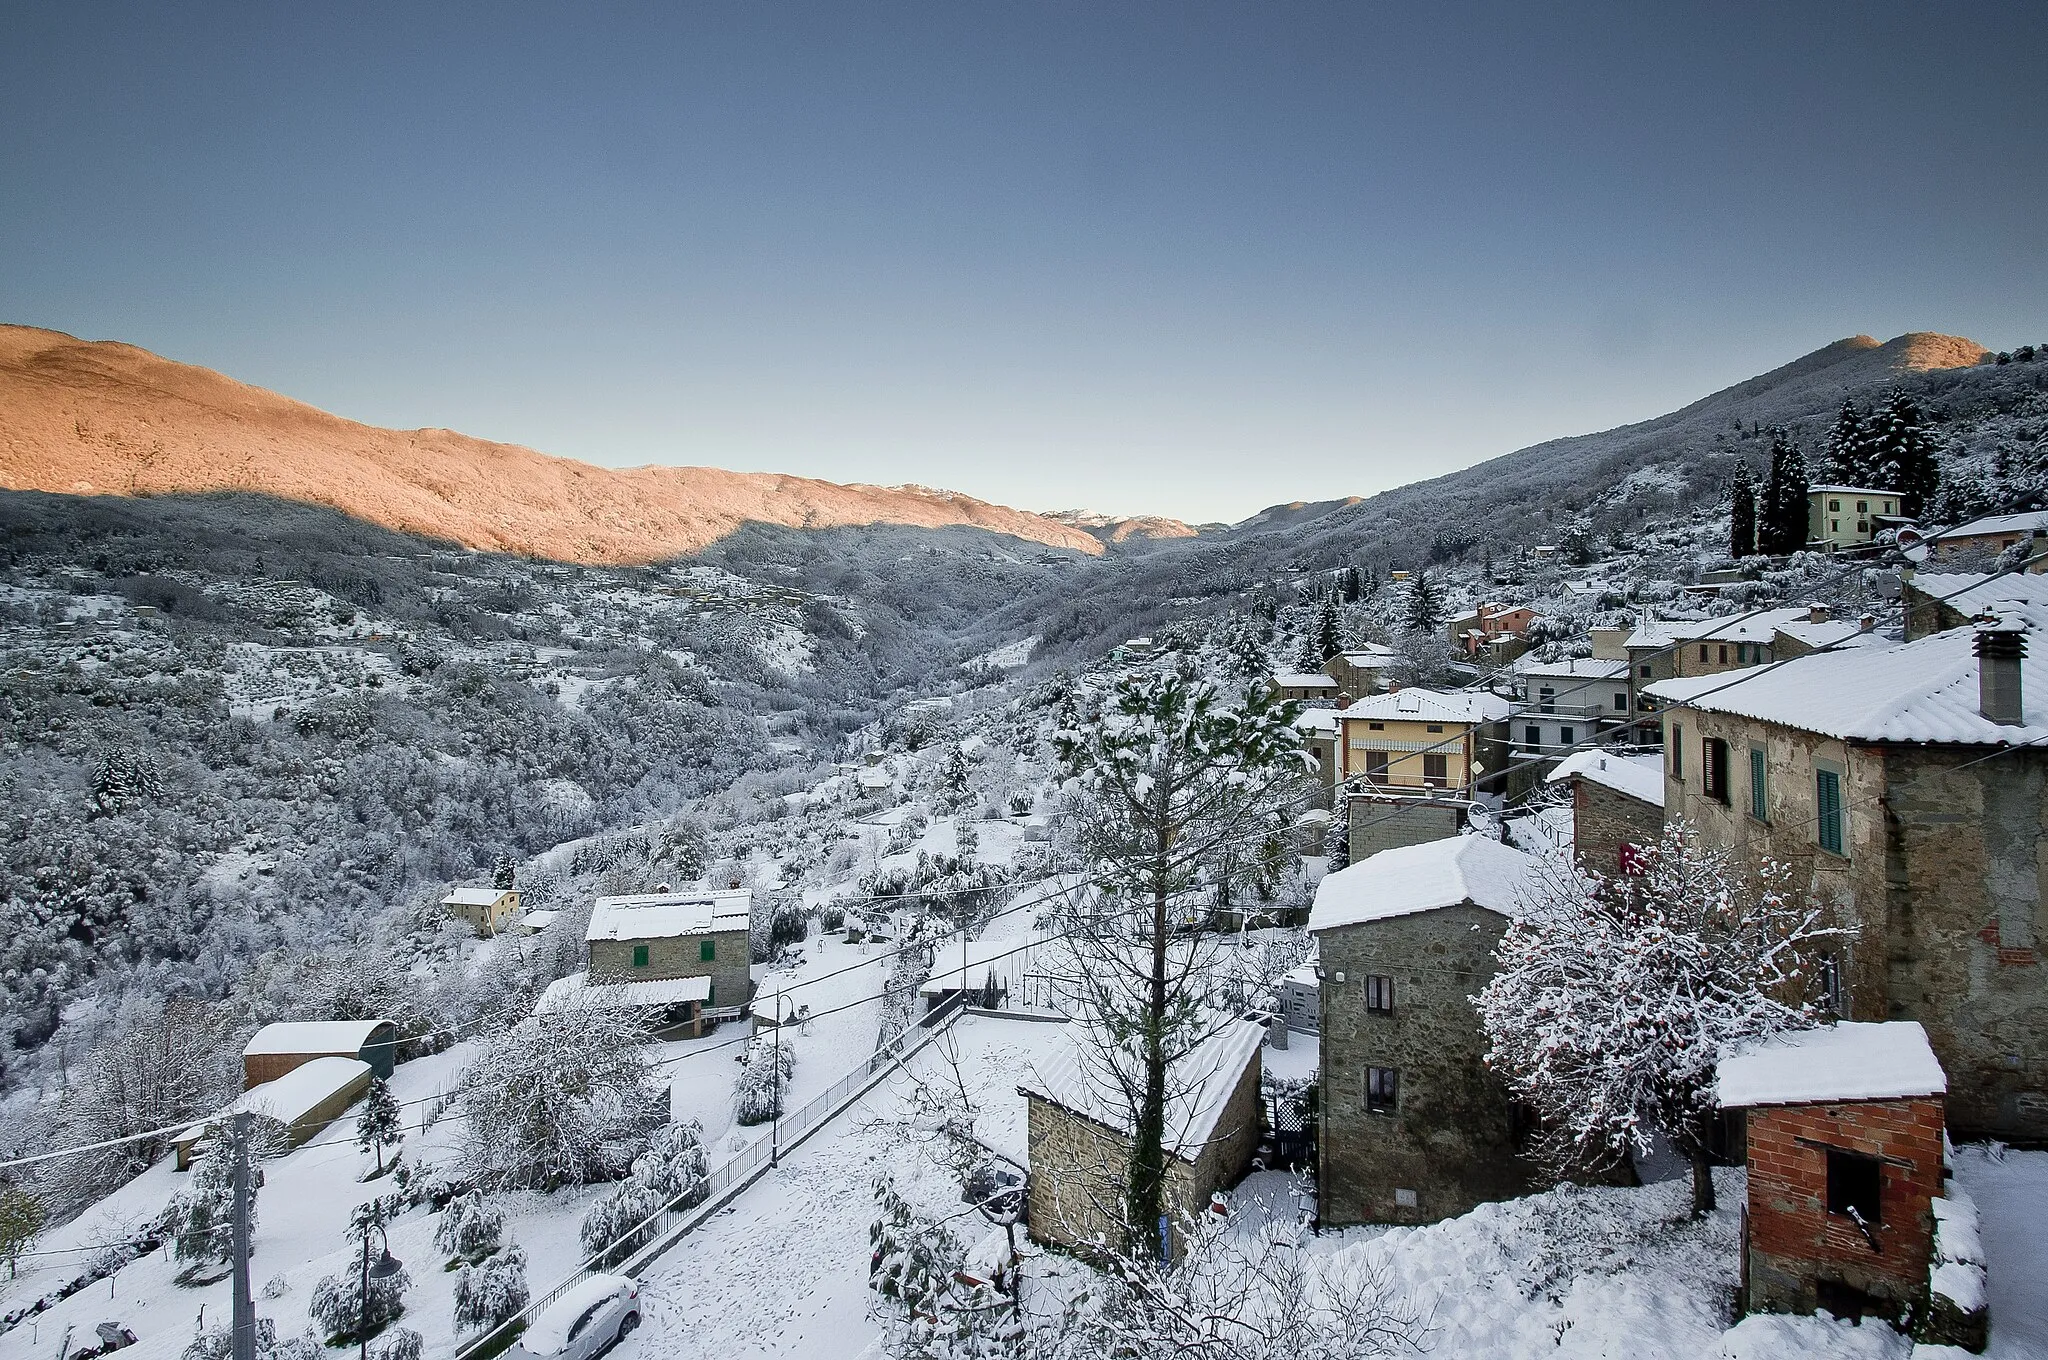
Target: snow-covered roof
578, 990
538, 920
2032, 521
1304, 975
299, 1092
1886, 1061
875, 777
1753, 626
1833, 633
548, 1333
1923, 691
1640, 777
1320, 721
660, 916
1415, 704
1303, 680
312, 1036
1416, 878
473, 897
1578, 668
1078, 1077
957, 967
1371, 654
1970, 593
1851, 491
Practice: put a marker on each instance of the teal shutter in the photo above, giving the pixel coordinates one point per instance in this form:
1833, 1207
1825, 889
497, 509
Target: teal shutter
1828, 797
707, 950
1759, 792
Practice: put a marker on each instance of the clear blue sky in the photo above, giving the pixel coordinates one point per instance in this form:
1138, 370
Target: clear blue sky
1177, 258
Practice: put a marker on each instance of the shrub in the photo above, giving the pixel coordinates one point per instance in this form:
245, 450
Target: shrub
469, 1229
340, 1306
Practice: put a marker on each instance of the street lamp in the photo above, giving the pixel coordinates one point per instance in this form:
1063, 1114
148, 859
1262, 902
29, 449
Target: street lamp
387, 1266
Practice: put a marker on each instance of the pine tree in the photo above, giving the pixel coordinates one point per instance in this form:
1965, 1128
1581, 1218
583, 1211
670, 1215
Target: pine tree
1782, 515
1349, 580
1842, 464
1425, 605
1902, 453
1742, 512
377, 1127
1327, 640
21, 1219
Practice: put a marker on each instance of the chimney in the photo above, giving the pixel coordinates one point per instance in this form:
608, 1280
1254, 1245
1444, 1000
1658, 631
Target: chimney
2000, 646
1816, 613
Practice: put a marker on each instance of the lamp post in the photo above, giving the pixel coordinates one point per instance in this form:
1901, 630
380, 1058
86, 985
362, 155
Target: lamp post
387, 1266
775, 1134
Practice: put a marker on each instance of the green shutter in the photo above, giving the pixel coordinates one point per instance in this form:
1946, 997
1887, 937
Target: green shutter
707, 950
1759, 791
1828, 795
639, 956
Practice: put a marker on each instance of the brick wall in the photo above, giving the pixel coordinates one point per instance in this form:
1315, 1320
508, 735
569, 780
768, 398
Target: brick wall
679, 956
1795, 1243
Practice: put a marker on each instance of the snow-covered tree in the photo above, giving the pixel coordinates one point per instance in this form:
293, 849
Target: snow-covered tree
1324, 634
21, 1219
1424, 610
911, 1258
1844, 459
670, 1174
1782, 512
1615, 998
1175, 783
218, 1343
493, 1292
1742, 512
1901, 453
345, 1312
470, 1229
377, 1127
199, 1216
564, 1098
763, 1083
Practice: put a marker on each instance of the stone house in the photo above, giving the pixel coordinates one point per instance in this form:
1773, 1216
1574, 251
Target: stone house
1361, 670
1319, 728
1908, 788
674, 937
1666, 649
1993, 534
1413, 1128
1843, 1130
1078, 1120
485, 909
279, 1048
1291, 686
1935, 602
1617, 806
1840, 517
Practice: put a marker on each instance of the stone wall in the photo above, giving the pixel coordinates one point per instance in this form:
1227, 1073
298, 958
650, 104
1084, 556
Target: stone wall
1603, 821
1795, 1245
680, 956
1450, 1142
1376, 826
1944, 876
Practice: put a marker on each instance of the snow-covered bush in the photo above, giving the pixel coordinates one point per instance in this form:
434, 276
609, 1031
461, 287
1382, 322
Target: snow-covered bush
199, 1216
218, 1343
491, 1293
763, 1084
470, 1228
671, 1173
341, 1308
565, 1098
402, 1344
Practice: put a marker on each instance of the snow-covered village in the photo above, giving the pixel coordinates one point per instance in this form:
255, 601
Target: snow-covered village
1384, 895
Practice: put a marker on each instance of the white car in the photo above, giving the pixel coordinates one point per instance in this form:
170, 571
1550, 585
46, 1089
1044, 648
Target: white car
596, 1314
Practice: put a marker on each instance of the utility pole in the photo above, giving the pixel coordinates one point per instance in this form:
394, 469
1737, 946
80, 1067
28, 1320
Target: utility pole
775, 1134
244, 1333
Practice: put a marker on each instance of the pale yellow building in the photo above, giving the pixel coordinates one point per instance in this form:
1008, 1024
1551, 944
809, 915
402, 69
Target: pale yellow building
1421, 739
1850, 516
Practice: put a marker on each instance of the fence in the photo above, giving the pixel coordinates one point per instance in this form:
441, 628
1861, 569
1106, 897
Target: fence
679, 1217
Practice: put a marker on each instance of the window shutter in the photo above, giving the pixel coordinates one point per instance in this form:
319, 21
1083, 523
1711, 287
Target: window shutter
1828, 797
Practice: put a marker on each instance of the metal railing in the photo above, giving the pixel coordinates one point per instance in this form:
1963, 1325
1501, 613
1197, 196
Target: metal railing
680, 1216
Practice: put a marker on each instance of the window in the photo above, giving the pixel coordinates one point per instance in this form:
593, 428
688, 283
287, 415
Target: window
1567, 736
1863, 507
1621, 701
1722, 655
1759, 787
1714, 769
1854, 1182
1436, 770
1831, 985
1827, 801
1546, 699
707, 950
1645, 670
1379, 995
1677, 750
1382, 1090
639, 956
1376, 766
1703, 651
1834, 503
1375, 727
1532, 735
1834, 526
1435, 727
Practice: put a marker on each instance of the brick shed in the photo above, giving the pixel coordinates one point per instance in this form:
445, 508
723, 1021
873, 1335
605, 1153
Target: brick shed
1845, 1164
1078, 1121
277, 1049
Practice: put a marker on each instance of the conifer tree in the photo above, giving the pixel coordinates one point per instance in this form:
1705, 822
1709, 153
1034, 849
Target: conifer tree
1327, 641
377, 1126
1902, 453
1742, 512
1842, 463
1782, 515
1425, 605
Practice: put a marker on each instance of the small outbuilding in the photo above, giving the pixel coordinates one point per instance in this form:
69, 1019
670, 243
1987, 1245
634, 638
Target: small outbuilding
277, 1049
305, 1099
1079, 1120
1844, 1132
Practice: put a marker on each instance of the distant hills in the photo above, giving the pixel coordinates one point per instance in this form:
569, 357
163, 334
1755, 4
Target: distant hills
101, 418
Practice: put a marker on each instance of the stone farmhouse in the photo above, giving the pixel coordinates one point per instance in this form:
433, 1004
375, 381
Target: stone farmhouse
1498, 632
681, 957
485, 909
1361, 670
1617, 806
1413, 1127
1994, 534
1292, 686
1843, 1132
1908, 786
1079, 1115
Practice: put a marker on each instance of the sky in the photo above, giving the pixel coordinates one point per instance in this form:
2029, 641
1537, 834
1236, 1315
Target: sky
1182, 259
